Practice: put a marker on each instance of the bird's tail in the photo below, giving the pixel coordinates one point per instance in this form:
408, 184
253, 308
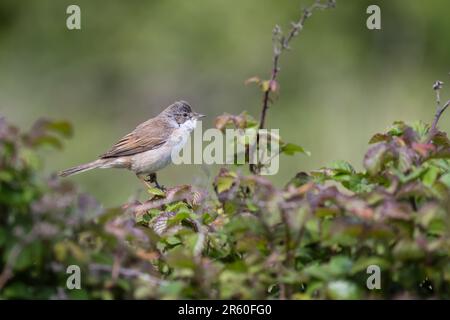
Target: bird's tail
81, 168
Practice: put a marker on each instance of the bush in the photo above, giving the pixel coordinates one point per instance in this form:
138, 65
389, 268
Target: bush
314, 238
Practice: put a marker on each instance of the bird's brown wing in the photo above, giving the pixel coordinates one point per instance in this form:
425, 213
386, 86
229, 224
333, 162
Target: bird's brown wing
150, 135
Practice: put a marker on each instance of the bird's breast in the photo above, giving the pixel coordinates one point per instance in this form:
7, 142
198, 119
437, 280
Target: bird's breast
153, 160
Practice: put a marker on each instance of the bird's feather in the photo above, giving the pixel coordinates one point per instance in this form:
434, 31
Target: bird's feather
149, 135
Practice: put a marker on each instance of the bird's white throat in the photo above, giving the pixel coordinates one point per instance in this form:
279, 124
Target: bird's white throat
189, 125
181, 134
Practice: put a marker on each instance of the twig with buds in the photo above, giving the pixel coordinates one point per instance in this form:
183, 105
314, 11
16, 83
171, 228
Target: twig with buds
280, 44
437, 86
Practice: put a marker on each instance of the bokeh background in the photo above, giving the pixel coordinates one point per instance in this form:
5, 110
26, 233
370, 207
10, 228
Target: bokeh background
340, 83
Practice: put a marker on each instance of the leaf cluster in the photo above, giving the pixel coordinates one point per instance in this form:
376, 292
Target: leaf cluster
314, 238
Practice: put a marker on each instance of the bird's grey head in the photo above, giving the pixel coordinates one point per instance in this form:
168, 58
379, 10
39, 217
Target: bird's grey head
181, 112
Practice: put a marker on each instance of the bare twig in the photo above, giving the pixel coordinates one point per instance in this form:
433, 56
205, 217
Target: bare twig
290, 258
438, 115
179, 193
7, 272
437, 86
128, 273
280, 44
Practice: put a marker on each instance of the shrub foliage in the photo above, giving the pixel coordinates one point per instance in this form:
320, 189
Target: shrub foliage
313, 238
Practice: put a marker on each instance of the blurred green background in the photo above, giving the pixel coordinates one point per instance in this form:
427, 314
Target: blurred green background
340, 83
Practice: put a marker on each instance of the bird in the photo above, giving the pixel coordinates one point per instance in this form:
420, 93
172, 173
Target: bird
149, 147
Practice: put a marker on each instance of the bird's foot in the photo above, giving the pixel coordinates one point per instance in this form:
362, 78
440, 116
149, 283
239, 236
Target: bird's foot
161, 187
152, 179
146, 183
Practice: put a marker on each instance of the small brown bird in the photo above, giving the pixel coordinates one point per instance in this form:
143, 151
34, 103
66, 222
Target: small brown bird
150, 146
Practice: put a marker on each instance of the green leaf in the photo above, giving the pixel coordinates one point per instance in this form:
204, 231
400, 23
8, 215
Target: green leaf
156, 192
341, 166
48, 140
408, 250
445, 179
357, 183
379, 137
376, 157
224, 183
180, 216
342, 289
421, 128
3, 236
437, 227
31, 254
154, 212
172, 240
251, 206
362, 263
397, 128
440, 139
430, 176
251, 123
6, 176
265, 85
177, 206
146, 217
291, 149
31, 158
207, 217
405, 159
172, 289
62, 127
338, 266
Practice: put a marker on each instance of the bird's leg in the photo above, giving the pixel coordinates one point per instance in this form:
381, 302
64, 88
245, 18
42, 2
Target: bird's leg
144, 181
152, 179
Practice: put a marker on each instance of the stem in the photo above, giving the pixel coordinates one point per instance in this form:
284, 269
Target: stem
280, 44
128, 273
266, 97
7, 272
437, 116
437, 86
290, 258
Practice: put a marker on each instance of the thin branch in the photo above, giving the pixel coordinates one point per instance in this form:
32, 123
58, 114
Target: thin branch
437, 86
127, 273
438, 115
290, 258
280, 44
7, 272
156, 203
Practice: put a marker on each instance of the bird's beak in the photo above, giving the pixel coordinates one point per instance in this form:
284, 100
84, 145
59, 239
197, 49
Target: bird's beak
199, 115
